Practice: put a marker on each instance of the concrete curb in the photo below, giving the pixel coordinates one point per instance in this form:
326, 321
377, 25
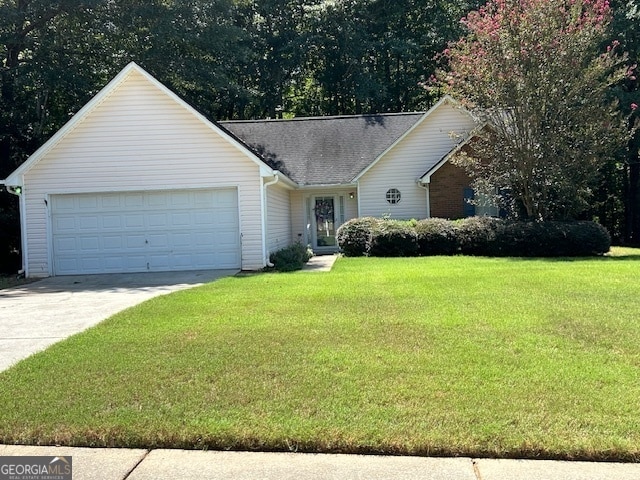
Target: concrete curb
141, 464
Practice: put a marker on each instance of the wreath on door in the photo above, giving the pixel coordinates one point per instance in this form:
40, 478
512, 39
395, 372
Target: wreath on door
324, 211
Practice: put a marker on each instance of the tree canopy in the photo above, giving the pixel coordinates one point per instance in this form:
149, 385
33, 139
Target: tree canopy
534, 72
236, 59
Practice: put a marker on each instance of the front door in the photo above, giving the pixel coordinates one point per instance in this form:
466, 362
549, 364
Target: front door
324, 212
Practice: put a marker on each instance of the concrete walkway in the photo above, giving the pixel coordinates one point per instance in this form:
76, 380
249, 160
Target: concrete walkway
320, 263
36, 315
121, 464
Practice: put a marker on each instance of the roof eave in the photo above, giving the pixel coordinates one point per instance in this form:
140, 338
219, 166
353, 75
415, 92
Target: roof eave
313, 186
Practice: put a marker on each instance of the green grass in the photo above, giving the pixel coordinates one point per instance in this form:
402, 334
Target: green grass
430, 356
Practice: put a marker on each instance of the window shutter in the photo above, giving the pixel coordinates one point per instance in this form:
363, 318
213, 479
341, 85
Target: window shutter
469, 208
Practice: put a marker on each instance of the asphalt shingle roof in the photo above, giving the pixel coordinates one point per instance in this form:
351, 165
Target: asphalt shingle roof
322, 150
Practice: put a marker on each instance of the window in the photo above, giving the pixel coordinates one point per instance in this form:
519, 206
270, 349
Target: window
393, 196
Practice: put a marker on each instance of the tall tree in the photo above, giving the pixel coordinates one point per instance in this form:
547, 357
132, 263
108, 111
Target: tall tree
279, 33
370, 56
533, 71
619, 199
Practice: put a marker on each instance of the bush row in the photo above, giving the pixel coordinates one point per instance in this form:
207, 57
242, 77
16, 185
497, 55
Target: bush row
471, 236
290, 258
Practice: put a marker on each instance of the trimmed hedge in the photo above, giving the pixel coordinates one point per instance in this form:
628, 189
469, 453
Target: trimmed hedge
436, 236
472, 236
290, 258
391, 238
354, 236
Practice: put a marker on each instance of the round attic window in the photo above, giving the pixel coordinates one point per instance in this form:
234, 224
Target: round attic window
393, 196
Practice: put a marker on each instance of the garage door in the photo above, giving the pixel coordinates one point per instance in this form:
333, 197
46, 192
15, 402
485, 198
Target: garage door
145, 231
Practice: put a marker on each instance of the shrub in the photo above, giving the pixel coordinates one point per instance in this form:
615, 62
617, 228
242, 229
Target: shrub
551, 239
436, 236
580, 239
354, 236
393, 238
472, 236
477, 235
291, 258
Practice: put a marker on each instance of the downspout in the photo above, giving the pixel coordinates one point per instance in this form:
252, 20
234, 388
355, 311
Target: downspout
266, 203
425, 185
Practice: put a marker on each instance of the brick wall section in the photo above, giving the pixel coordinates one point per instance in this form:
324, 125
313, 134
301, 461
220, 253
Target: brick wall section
447, 191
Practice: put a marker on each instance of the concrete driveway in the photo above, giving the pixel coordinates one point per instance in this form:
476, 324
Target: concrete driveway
38, 314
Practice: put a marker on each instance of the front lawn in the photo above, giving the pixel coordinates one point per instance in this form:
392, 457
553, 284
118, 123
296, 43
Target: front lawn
432, 356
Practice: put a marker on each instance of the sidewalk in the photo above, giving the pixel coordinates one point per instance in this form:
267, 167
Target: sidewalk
139, 464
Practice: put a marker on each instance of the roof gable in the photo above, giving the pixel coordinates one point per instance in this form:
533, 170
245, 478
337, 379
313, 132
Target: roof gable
15, 178
323, 150
424, 117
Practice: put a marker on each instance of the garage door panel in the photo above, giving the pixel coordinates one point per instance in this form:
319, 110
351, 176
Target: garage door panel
132, 200
159, 262
66, 204
65, 224
65, 244
68, 264
111, 222
133, 221
204, 239
133, 242
180, 219
157, 220
136, 263
90, 244
114, 264
112, 242
183, 200
158, 200
136, 232
181, 240
204, 218
87, 203
158, 241
209, 259
110, 202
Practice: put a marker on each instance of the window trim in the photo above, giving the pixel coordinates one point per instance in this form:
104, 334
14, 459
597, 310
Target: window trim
393, 196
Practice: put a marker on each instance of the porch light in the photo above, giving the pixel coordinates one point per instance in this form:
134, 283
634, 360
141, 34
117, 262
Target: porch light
351, 195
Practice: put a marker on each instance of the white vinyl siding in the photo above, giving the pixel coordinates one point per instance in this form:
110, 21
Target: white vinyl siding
400, 168
298, 225
139, 139
278, 218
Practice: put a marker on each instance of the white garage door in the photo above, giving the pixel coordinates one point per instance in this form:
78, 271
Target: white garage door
145, 231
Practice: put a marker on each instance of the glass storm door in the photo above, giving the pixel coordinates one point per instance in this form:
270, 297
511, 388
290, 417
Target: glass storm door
325, 216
